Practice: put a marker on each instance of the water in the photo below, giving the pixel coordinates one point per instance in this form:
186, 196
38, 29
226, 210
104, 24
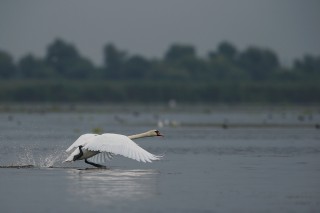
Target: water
215, 161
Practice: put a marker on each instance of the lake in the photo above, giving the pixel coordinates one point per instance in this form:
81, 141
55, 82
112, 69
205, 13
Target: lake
216, 159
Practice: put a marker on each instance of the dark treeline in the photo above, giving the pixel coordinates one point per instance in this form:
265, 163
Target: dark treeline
223, 75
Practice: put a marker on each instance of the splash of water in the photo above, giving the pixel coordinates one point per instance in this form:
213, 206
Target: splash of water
51, 159
27, 157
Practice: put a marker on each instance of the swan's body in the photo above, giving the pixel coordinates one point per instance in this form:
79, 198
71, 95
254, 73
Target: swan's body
100, 147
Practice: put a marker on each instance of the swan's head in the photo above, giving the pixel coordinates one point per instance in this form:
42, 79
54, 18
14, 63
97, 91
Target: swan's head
155, 133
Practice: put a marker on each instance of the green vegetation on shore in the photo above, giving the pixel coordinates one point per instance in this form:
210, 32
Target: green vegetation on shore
225, 75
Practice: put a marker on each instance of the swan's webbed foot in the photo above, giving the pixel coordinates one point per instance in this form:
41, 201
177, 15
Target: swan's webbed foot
95, 164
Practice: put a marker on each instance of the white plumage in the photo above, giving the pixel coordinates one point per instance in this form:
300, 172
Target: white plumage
81, 141
119, 145
101, 147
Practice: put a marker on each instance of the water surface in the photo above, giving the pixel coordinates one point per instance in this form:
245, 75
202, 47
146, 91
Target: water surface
215, 161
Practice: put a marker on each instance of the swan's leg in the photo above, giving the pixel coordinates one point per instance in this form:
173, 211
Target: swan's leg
94, 164
76, 157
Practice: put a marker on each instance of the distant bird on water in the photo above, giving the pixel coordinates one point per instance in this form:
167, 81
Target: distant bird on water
105, 146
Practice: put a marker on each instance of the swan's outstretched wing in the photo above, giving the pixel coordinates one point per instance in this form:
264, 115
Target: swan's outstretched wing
74, 153
81, 141
120, 145
101, 157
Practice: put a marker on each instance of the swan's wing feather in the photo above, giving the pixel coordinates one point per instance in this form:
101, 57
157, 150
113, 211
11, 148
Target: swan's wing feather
101, 157
74, 153
81, 141
120, 145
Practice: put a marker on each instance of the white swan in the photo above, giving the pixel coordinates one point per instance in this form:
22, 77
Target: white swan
106, 145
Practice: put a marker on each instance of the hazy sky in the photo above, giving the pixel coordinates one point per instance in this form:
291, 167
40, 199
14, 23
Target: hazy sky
148, 27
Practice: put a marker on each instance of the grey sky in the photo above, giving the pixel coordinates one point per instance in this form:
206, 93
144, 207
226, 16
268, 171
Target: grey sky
146, 27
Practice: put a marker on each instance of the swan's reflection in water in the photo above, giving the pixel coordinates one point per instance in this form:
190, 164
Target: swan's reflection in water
106, 186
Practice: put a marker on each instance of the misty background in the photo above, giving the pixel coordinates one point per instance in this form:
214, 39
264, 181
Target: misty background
203, 51
289, 27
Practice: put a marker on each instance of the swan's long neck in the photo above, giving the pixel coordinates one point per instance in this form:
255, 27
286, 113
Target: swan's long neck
141, 135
